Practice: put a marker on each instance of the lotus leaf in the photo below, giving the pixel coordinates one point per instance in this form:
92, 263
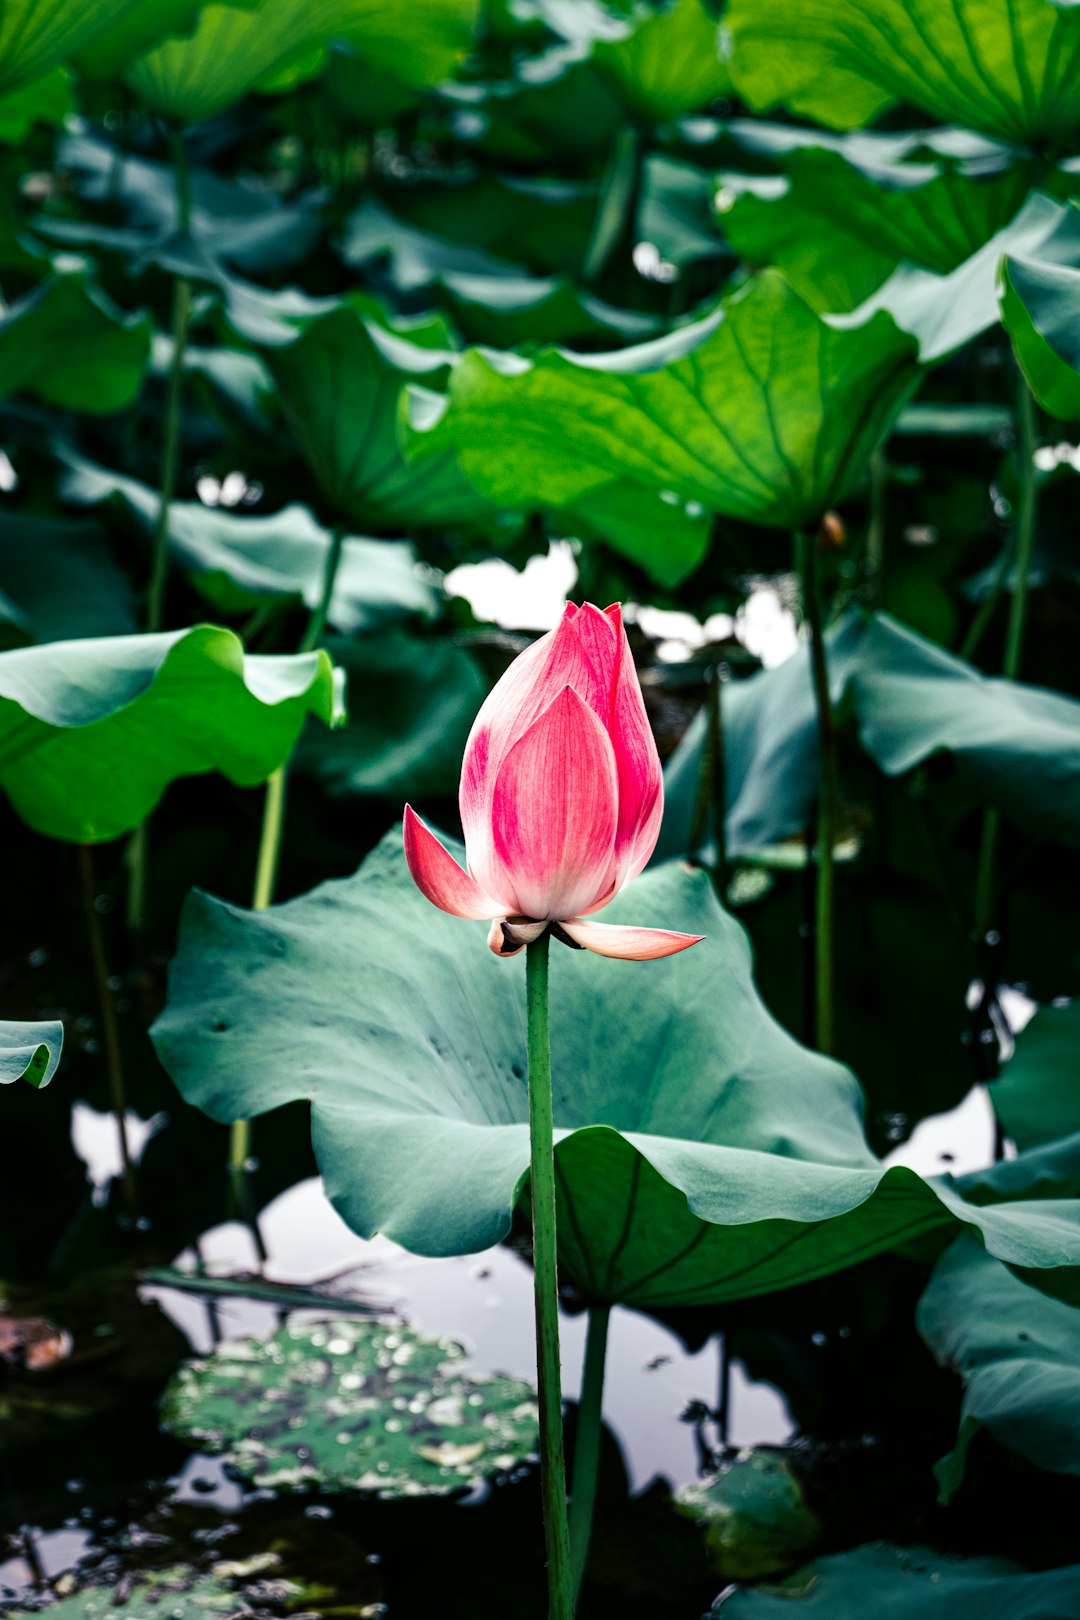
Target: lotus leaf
240, 563
1006, 70
754, 1516
702, 1154
92, 732
1037, 1098
1018, 1354
353, 1405
67, 343
233, 51
1014, 746
30, 1052
1040, 300
759, 410
911, 1583
37, 34
665, 65
61, 581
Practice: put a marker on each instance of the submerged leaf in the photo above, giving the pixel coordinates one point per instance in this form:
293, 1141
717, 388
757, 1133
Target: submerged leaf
702, 1153
1018, 1354
353, 1405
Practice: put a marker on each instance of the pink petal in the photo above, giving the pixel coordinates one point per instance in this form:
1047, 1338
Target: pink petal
437, 875
554, 812
629, 944
582, 652
641, 781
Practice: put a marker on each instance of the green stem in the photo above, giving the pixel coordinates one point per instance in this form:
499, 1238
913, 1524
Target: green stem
875, 532
587, 1444
828, 797
273, 822
138, 849
1014, 635
114, 1063
711, 788
615, 204
542, 1192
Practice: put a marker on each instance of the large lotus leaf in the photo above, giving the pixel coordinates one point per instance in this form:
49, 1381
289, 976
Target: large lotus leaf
339, 376
37, 34
1040, 309
353, 1405
1009, 70
1016, 747
838, 228
558, 108
911, 1583
702, 1153
240, 222
30, 1052
511, 219
1018, 1354
1037, 1097
232, 51
675, 211
61, 579
143, 25
944, 312
411, 706
239, 563
66, 343
760, 411
667, 65
413, 258
510, 310
46, 101
92, 732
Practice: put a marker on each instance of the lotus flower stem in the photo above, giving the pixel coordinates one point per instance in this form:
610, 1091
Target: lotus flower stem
828, 796
587, 1444
273, 822
549, 1375
138, 848
110, 1034
1024, 541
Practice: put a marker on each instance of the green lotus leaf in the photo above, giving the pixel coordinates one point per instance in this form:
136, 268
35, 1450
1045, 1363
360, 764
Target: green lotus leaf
92, 732
510, 310
1040, 300
1006, 70
511, 219
238, 222
911, 1583
233, 51
339, 375
37, 34
702, 1153
69, 345
1013, 746
754, 1516
838, 226
759, 410
1018, 1354
557, 109
143, 25
46, 101
675, 211
945, 312
411, 705
413, 257
61, 582
353, 1405
1037, 1098
240, 563
667, 65
30, 1052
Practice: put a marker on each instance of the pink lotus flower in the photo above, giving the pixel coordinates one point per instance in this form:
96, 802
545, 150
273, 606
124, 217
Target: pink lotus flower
561, 798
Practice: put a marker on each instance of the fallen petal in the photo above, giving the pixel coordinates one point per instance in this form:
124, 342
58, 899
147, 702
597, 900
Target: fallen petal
437, 875
629, 944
